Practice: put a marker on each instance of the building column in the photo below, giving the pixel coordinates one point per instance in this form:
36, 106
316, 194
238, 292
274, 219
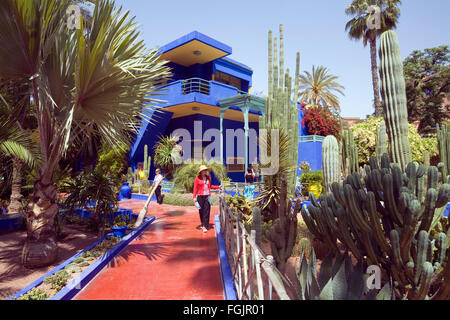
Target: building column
222, 112
246, 128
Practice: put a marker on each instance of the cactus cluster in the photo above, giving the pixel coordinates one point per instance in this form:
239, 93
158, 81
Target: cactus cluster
443, 137
393, 93
386, 220
330, 162
283, 233
280, 111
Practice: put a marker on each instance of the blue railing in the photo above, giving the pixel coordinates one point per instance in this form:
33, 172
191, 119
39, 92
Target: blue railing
312, 138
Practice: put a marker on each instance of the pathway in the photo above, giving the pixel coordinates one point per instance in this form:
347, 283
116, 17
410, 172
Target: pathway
171, 260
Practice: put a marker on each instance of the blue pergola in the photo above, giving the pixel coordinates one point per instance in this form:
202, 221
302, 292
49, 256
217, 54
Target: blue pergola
245, 102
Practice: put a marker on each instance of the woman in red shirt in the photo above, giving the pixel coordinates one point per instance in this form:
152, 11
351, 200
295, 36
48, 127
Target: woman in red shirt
202, 194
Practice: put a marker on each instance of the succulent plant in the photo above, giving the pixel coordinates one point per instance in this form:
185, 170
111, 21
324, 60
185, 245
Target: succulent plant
330, 162
283, 233
381, 141
337, 280
257, 225
349, 152
443, 137
386, 220
393, 93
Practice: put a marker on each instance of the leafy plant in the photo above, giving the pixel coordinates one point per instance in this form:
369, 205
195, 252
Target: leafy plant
58, 280
120, 221
34, 294
320, 121
365, 138
94, 192
185, 174
309, 178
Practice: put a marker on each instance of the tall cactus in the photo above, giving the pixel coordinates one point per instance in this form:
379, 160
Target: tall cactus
257, 224
381, 141
283, 233
330, 162
443, 137
281, 108
349, 152
394, 96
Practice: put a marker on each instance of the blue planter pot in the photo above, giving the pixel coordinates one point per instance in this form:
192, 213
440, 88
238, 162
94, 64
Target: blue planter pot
119, 231
125, 191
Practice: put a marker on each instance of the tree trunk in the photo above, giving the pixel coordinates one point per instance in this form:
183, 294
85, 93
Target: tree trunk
375, 82
40, 247
15, 205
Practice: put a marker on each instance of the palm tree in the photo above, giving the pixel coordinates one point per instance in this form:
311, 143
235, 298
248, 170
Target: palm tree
317, 89
15, 105
86, 83
358, 29
17, 149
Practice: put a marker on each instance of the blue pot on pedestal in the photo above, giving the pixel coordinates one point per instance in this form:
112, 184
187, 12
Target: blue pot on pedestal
125, 191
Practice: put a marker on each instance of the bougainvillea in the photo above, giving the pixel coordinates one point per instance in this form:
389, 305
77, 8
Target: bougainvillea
365, 132
320, 121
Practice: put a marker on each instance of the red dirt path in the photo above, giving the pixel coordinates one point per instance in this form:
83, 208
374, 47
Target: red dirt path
171, 260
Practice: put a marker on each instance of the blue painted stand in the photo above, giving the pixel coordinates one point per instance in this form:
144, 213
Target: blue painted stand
227, 278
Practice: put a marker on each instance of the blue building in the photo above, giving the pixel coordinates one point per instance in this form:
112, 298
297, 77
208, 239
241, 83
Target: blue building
208, 92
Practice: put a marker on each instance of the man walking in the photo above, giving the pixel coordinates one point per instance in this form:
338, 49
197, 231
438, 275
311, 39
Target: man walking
157, 183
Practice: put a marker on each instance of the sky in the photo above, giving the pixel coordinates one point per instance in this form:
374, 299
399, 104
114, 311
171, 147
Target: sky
315, 28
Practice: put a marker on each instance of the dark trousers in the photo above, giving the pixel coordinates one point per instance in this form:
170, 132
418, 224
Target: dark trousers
205, 208
158, 195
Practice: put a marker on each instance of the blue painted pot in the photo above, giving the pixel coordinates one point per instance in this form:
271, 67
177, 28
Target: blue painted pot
119, 231
125, 191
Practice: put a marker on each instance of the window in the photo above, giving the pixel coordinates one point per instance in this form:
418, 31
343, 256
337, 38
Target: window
227, 79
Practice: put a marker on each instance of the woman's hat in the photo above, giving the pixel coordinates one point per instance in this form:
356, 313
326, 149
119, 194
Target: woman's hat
202, 168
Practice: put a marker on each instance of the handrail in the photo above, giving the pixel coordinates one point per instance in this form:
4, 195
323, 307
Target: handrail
196, 85
249, 281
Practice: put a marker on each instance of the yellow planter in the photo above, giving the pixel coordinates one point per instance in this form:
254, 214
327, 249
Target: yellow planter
316, 189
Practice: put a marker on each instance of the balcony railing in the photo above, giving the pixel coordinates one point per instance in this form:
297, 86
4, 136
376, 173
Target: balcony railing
203, 86
196, 85
312, 138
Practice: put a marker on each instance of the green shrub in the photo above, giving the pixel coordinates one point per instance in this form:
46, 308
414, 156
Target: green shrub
84, 263
185, 175
365, 139
34, 294
309, 178
58, 280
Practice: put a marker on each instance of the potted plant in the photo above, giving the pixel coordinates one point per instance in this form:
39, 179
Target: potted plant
120, 226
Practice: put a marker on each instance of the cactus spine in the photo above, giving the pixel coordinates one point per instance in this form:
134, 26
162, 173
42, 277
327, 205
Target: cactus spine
394, 96
330, 162
443, 137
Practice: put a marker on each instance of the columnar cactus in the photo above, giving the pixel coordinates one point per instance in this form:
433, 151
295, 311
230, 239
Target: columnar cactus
281, 108
349, 152
384, 220
330, 162
394, 96
443, 137
257, 225
381, 147
283, 233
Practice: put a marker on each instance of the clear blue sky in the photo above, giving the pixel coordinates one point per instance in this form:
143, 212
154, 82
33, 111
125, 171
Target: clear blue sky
314, 28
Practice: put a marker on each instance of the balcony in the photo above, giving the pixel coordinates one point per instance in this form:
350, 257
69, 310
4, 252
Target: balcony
197, 90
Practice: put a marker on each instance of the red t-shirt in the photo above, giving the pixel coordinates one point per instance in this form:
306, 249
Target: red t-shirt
200, 189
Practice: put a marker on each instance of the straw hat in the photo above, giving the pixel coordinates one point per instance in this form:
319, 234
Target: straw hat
202, 168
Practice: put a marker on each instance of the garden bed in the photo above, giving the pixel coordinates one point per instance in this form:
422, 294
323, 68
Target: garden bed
70, 277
